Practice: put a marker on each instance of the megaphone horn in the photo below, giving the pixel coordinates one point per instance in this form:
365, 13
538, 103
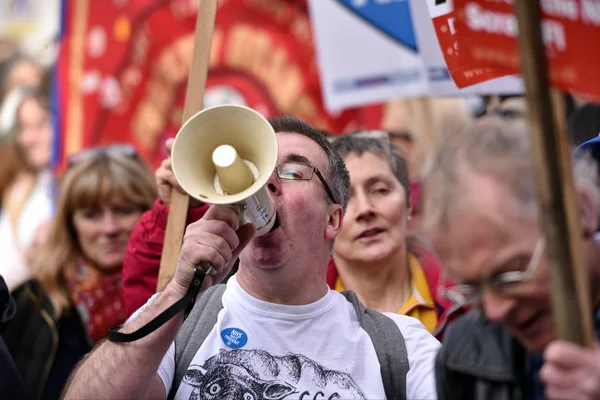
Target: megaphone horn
225, 155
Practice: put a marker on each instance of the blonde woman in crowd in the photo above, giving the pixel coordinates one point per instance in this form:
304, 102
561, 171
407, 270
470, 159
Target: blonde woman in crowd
77, 294
26, 184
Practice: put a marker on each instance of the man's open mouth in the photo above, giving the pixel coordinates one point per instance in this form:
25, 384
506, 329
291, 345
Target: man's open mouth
275, 224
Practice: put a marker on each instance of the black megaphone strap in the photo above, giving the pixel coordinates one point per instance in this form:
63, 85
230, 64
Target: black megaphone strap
188, 300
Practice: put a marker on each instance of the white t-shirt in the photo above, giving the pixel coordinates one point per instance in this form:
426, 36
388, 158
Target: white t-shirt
261, 350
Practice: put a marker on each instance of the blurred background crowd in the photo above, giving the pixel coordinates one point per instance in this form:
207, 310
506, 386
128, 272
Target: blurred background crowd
69, 199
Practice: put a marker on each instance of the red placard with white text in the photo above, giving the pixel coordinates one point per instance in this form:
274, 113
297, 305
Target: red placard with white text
443, 16
487, 31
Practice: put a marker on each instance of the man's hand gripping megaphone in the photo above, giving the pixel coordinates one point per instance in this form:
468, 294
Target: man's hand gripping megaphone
216, 240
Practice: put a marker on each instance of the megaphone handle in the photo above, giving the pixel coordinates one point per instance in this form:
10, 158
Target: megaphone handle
208, 268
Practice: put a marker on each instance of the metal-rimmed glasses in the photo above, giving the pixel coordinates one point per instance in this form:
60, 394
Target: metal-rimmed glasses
125, 150
504, 284
303, 172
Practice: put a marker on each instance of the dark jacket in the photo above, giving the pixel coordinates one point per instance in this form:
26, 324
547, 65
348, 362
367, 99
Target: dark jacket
45, 350
480, 359
11, 385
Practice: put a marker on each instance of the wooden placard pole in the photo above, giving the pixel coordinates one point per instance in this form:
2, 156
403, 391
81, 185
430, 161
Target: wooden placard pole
194, 98
425, 130
558, 209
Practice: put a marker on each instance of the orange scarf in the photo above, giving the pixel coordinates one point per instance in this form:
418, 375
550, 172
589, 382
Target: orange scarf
98, 298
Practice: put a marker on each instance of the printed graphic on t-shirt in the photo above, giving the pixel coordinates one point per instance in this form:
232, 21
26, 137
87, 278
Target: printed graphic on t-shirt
256, 374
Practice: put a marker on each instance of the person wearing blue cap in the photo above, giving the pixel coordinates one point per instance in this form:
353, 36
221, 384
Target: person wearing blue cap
592, 148
584, 123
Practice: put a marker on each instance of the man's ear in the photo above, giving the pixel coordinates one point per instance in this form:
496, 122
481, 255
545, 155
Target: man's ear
588, 215
334, 224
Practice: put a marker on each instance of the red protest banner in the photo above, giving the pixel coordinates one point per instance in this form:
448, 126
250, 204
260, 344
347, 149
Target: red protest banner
487, 31
443, 17
123, 69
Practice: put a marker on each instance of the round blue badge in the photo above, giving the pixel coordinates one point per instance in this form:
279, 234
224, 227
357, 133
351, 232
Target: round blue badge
234, 337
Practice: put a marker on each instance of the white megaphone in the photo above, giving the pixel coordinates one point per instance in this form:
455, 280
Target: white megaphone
225, 155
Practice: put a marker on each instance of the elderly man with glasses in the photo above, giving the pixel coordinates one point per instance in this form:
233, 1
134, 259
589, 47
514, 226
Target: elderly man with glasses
278, 331
482, 214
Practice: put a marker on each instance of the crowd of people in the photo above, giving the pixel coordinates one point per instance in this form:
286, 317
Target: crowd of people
376, 282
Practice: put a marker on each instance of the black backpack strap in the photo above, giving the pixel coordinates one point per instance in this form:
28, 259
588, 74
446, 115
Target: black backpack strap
194, 331
389, 345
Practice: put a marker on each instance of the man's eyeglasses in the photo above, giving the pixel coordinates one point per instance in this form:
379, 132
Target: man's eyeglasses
505, 284
303, 172
124, 150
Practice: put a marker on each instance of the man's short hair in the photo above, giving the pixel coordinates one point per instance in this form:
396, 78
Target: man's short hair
497, 145
359, 143
337, 175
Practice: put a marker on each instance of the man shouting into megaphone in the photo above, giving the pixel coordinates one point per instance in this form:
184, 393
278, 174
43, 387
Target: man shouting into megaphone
277, 331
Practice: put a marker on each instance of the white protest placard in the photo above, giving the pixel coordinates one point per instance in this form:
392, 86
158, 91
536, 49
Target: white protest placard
366, 51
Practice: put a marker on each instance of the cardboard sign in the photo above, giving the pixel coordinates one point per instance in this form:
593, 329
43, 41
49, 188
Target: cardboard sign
367, 52
487, 31
440, 77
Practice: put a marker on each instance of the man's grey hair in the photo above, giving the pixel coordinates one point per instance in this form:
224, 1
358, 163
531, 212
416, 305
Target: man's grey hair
362, 142
497, 145
337, 175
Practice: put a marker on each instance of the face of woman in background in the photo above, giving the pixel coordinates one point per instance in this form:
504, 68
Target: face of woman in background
35, 135
103, 232
24, 73
374, 225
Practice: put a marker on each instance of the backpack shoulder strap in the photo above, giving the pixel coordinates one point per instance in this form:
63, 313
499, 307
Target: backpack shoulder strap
389, 345
200, 322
